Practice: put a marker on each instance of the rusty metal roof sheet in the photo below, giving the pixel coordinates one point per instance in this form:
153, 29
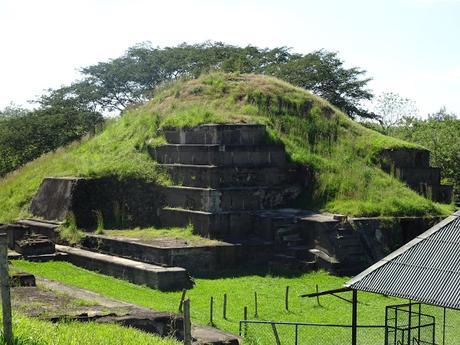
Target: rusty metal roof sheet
427, 269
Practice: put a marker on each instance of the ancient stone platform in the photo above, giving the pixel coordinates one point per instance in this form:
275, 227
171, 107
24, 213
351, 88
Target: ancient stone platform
200, 260
223, 173
154, 276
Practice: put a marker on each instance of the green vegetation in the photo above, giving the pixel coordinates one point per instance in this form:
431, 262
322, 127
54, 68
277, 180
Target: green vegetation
30, 331
26, 135
240, 290
341, 153
68, 230
148, 234
440, 133
134, 76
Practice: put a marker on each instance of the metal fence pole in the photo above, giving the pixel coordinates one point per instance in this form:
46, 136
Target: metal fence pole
354, 318
275, 333
5, 287
187, 323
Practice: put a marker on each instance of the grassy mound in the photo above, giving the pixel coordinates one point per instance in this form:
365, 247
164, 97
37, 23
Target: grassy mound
341, 152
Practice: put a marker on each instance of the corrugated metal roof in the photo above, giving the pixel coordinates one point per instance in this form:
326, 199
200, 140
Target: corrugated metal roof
427, 269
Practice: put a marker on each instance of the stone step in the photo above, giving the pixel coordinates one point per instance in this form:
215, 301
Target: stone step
241, 134
416, 176
198, 259
156, 277
405, 158
219, 225
220, 155
26, 227
212, 176
227, 199
438, 193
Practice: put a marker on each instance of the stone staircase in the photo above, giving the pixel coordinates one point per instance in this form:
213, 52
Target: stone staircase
223, 174
412, 166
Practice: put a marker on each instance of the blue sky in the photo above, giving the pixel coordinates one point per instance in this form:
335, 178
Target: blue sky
407, 46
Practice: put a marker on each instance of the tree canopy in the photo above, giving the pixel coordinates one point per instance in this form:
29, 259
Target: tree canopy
131, 78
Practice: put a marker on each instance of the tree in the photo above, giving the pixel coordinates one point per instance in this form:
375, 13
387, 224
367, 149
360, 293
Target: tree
391, 108
25, 135
323, 73
440, 133
132, 77
12, 110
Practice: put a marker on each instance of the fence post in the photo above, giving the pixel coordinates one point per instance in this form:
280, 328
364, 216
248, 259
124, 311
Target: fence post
211, 311
245, 317
5, 287
225, 307
275, 333
317, 296
256, 313
182, 297
187, 323
286, 299
354, 318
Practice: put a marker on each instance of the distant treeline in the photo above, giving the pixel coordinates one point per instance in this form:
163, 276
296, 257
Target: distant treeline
26, 135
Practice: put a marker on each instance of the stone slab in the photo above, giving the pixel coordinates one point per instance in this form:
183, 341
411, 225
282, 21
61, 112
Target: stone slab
220, 155
240, 134
405, 158
211, 176
227, 199
220, 225
157, 277
199, 260
416, 176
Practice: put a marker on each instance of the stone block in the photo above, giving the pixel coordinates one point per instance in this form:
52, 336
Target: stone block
198, 260
239, 134
208, 176
154, 276
220, 225
22, 279
220, 155
226, 199
34, 245
122, 203
405, 158
415, 176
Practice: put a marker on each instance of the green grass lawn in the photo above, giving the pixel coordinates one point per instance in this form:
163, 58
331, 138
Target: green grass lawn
29, 331
148, 234
240, 291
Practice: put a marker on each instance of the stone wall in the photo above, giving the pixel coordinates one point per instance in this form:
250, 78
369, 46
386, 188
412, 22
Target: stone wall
122, 204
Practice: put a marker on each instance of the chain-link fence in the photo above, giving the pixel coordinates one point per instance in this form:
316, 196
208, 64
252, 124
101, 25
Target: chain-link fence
436, 325
291, 333
447, 324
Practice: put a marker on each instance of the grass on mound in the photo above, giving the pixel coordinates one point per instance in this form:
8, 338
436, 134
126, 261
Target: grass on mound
342, 153
31, 331
240, 288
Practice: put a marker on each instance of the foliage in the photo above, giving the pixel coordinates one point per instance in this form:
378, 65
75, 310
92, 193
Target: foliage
68, 230
132, 77
440, 133
392, 109
26, 135
323, 73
